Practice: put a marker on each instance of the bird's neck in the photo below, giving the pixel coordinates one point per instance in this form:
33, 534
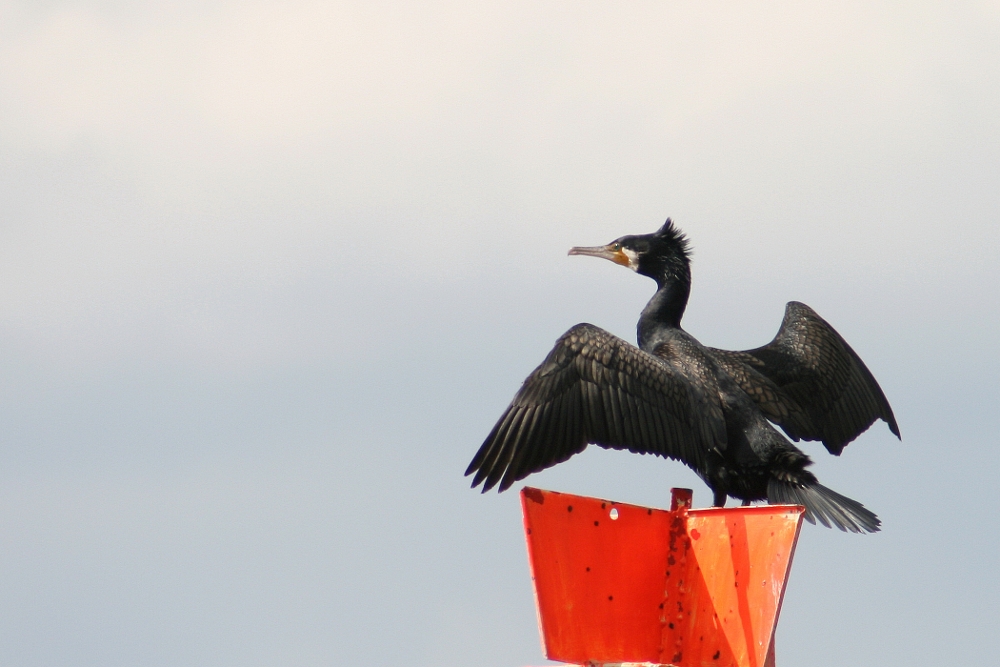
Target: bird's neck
664, 311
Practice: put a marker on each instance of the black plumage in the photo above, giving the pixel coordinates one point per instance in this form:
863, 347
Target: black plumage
711, 409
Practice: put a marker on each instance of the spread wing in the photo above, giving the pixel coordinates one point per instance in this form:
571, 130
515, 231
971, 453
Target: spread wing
810, 382
594, 387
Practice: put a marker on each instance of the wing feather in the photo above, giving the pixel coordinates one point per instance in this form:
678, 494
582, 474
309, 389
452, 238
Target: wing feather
594, 387
809, 381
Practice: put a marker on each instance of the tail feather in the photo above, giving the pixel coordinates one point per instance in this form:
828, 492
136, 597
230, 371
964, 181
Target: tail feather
824, 505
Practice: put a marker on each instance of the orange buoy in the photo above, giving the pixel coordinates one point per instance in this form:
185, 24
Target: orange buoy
618, 583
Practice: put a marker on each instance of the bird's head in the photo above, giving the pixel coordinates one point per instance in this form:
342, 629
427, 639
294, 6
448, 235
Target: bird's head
662, 255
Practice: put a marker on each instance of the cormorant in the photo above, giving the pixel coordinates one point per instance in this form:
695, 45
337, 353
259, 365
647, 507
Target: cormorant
710, 409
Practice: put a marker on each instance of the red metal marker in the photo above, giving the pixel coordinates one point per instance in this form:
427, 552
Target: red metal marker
617, 583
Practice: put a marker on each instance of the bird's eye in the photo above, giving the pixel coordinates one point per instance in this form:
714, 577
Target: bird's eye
616, 246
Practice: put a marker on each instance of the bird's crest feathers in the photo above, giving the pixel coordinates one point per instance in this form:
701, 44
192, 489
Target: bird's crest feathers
669, 233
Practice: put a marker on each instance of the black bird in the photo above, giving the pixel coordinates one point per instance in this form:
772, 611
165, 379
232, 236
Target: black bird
709, 408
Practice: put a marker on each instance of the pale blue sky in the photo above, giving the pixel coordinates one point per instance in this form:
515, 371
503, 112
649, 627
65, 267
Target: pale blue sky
269, 272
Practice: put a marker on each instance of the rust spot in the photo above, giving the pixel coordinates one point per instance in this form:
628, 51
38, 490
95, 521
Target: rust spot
695, 534
716, 656
597, 523
534, 495
670, 625
610, 598
569, 509
603, 505
671, 560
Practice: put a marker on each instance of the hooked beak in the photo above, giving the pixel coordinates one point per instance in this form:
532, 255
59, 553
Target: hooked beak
604, 252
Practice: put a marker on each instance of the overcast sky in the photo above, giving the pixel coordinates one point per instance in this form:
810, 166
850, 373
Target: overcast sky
270, 271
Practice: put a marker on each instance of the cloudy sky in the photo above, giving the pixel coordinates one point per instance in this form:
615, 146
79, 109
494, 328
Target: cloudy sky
269, 272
